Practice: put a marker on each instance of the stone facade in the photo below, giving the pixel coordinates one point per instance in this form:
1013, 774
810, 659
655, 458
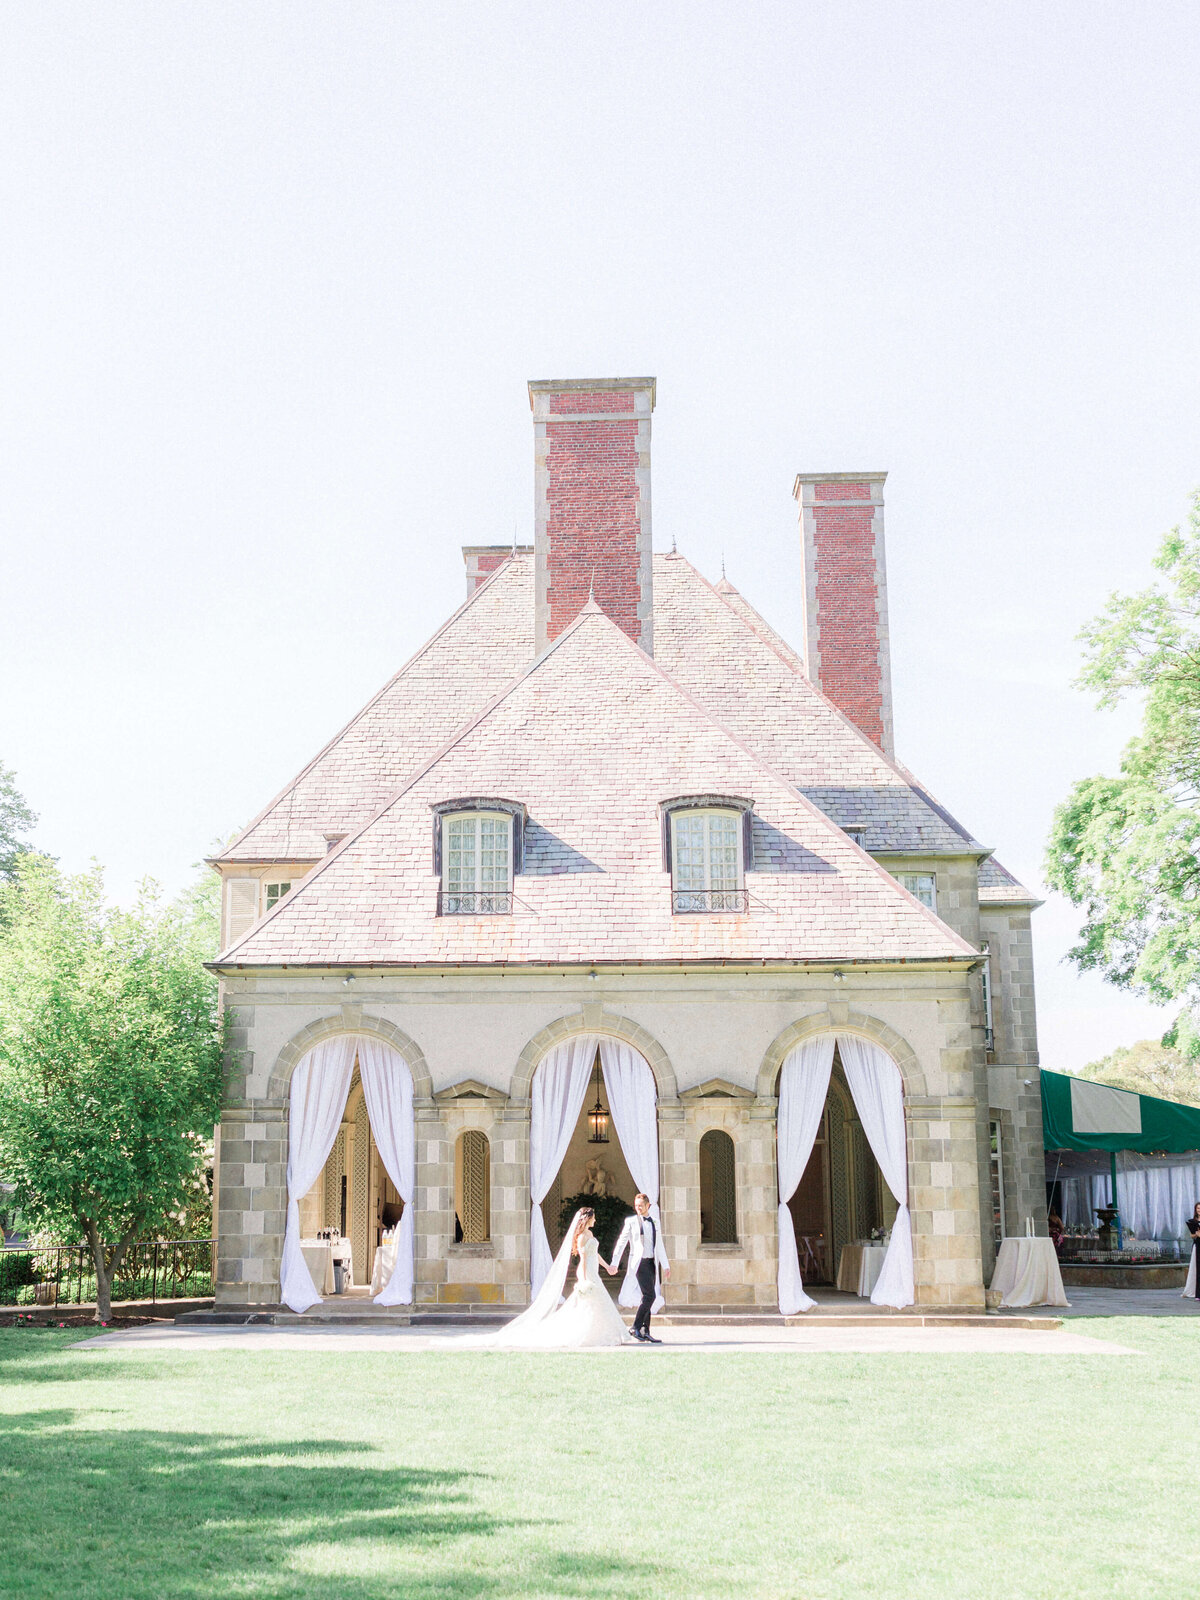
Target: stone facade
586, 692
715, 1042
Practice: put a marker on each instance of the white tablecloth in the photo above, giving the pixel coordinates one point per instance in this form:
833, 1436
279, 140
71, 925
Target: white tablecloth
858, 1268
385, 1262
1027, 1274
319, 1256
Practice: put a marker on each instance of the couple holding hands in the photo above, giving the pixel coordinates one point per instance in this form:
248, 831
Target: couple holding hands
588, 1318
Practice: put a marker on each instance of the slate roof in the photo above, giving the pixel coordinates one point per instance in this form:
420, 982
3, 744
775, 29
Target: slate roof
708, 639
714, 644
593, 737
997, 886
485, 645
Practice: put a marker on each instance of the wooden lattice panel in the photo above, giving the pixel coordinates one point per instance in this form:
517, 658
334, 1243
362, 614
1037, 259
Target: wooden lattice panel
476, 1183
718, 1187
334, 1168
360, 1193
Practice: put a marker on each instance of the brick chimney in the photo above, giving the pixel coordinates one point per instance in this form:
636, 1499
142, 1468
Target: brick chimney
846, 651
591, 503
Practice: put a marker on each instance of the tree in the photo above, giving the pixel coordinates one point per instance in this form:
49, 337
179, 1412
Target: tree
110, 1072
1149, 1067
1127, 848
15, 819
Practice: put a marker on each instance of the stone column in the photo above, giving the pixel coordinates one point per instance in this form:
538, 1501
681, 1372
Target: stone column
253, 1205
433, 1196
511, 1204
944, 1200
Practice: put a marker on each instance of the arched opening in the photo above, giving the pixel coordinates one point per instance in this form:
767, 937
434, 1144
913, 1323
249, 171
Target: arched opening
718, 1188
472, 1188
841, 1198
593, 1141
350, 1173
354, 1198
842, 1161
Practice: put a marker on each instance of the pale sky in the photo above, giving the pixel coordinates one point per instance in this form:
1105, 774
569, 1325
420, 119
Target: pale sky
274, 277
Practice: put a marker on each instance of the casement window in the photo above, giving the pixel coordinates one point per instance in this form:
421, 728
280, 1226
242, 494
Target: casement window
921, 885
273, 893
985, 972
477, 863
706, 851
996, 1170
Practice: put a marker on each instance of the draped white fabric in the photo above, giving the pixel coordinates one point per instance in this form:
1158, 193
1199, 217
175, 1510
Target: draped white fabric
388, 1091
803, 1085
547, 1299
633, 1100
1154, 1200
559, 1085
320, 1084
878, 1091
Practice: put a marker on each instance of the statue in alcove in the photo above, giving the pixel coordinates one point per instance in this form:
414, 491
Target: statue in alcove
597, 1180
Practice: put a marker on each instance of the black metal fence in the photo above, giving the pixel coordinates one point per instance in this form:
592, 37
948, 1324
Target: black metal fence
64, 1275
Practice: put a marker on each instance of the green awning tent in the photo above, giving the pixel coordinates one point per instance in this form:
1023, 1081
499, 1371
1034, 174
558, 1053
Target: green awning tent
1080, 1115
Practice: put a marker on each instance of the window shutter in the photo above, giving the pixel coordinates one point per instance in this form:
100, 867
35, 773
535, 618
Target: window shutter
241, 907
747, 841
666, 842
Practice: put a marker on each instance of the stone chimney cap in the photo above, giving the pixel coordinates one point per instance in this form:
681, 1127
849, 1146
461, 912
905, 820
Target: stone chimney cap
585, 385
834, 477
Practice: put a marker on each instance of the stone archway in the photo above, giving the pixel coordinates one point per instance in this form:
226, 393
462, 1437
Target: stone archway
798, 1159
912, 1073
350, 1020
594, 1020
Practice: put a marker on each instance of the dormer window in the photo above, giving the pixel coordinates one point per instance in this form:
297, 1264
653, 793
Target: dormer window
477, 848
273, 893
707, 847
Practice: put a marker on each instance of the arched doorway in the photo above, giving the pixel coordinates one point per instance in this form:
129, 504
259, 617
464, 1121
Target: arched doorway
350, 1116
812, 1103
593, 1139
841, 1197
354, 1195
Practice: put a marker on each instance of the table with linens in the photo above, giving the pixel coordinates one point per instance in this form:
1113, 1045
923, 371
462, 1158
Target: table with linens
385, 1261
859, 1266
320, 1255
1027, 1273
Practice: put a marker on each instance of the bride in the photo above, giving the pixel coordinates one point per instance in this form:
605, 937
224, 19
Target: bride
587, 1319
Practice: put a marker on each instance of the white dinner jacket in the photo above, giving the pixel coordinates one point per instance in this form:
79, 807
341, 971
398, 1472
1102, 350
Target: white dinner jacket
631, 1235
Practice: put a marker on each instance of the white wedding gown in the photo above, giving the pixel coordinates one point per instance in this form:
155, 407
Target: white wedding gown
587, 1319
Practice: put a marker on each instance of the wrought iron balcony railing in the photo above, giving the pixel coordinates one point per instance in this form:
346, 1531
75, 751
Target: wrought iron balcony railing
708, 900
482, 903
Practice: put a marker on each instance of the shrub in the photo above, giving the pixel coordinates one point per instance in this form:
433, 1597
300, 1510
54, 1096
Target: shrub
610, 1215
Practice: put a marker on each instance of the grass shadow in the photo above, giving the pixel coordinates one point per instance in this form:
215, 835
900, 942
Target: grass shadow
152, 1515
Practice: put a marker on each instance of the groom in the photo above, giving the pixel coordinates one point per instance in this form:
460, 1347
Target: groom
646, 1255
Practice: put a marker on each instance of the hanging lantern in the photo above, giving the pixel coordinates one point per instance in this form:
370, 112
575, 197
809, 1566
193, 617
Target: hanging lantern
598, 1116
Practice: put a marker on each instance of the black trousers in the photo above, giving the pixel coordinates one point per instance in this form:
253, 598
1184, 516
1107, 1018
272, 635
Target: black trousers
646, 1280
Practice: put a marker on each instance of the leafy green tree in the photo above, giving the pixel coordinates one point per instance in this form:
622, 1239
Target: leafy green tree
110, 1072
1127, 848
16, 819
1149, 1067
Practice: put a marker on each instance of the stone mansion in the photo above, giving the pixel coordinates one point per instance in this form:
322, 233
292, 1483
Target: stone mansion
578, 884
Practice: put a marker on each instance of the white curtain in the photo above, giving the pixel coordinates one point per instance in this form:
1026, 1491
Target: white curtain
388, 1090
320, 1084
1154, 1198
559, 1085
878, 1092
803, 1085
634, 1104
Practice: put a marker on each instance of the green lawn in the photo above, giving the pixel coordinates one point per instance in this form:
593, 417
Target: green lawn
162, 1474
